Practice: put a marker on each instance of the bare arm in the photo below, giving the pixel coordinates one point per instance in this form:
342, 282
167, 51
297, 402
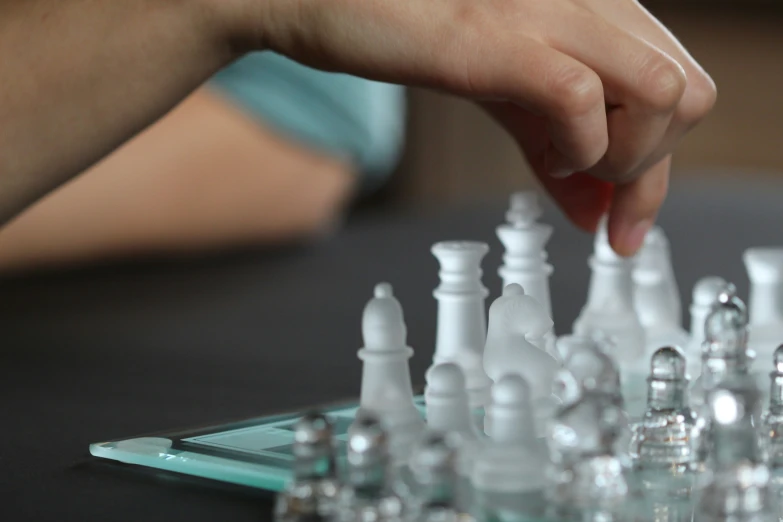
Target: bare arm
79, 77
204, 177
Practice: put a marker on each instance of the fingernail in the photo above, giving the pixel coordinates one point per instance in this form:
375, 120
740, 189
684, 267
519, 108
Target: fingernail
557, 166
634, 238
561, 173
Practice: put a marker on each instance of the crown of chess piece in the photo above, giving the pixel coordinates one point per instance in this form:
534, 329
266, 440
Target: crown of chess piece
739, 486
666, 437
772, 419
312, 493
368, 491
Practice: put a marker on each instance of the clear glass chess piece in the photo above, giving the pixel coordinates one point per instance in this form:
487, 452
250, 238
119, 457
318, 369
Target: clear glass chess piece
368, 493
771, 426
589, 479
665, 437
312, 493
739, 482
725, 350
667, 440
433, 473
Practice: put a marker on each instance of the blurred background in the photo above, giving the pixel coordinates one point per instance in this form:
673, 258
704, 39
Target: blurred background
270, 152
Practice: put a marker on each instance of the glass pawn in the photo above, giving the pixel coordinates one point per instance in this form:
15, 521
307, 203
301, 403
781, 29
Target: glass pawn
367, 493
312, 493
433, 473
589, 480
771, 429
725, 352
665, 437
739, 485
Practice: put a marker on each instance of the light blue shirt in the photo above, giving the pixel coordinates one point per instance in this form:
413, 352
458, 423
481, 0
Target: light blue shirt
338, 114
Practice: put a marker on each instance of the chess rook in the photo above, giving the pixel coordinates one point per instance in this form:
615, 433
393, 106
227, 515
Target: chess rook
765, 304
461, 322
525, 257
386, 389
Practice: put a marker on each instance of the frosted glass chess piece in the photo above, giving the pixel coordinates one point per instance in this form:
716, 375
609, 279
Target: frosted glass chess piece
739, 485
667, 438
610, 309
368, 491
525, 257
705, 296
386, 389
588, 479
514, 317
656, 295
312, 493
725, 352
771, 429
448, 411
765, 303
433, 472
462, 324
512, 459
507, 476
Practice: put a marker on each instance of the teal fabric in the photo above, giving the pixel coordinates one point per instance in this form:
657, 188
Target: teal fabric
339, 114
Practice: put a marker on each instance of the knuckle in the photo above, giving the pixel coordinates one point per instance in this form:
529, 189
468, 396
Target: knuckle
699, 99
663, 83
576, 91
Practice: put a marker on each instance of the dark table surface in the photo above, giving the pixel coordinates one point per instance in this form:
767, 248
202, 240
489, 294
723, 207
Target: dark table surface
116, 351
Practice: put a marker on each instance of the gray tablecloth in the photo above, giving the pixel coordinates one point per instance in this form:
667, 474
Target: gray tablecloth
112, 352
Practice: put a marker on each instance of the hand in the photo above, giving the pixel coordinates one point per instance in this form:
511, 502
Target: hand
596, 92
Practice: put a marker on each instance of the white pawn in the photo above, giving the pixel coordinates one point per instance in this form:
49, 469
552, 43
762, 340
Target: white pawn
514, 318
448, 410
656, 296
513, 460
765, 303
525, 258
610, 309
386, 390
705, 296
462, 323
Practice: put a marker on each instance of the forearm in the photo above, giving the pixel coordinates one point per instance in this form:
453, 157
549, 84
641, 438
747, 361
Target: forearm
79, 77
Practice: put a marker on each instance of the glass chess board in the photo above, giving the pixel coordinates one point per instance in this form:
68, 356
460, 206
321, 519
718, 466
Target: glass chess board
256, 452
